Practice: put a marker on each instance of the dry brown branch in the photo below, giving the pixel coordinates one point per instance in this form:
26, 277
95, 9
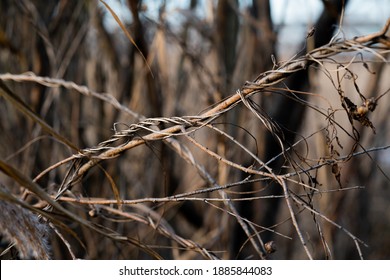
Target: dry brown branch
36, 189
263, 81
54, 83
297, 177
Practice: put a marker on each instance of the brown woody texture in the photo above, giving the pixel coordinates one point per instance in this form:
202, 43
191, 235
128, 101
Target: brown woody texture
191, 138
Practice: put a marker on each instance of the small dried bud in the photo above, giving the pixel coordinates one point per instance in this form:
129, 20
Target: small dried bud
94, 212
371, 104
311, 32
270, 247
362, 110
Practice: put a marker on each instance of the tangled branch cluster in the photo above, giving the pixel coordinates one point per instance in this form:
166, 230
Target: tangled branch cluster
171, 129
